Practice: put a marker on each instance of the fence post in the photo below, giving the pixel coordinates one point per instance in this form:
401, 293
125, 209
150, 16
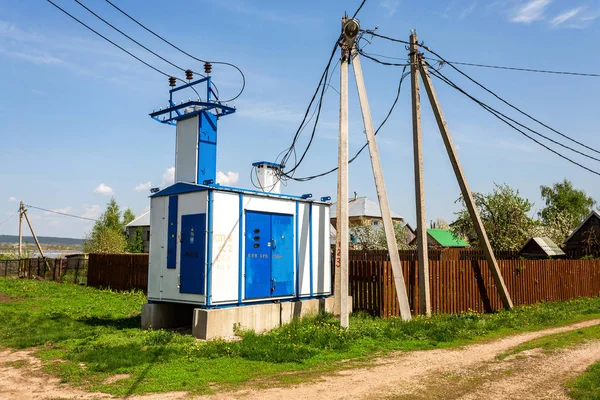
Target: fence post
76, 270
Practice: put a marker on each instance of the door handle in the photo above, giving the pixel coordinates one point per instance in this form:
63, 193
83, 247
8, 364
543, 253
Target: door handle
274, 285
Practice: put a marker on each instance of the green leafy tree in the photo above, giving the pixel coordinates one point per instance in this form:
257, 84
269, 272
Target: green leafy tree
565, 203
135, 244
504, 214
108, 233
128, 216
368, 237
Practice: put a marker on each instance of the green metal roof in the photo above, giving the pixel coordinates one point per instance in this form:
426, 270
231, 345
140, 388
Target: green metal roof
446, 238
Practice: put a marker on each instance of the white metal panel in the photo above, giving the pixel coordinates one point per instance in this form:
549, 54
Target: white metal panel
269, 204
188, 203
304, 248
225, 247
186, 151
158, 246
321, 250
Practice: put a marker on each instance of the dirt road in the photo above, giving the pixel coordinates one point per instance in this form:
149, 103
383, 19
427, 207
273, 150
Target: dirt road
471, 372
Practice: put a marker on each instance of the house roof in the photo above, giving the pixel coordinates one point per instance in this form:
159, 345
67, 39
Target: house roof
142, 220
446, 238
363, 207
593, 213
547, 245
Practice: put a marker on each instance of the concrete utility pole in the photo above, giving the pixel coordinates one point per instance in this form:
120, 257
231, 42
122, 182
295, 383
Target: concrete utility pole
386, 215
342, 195
466, 192
423, 255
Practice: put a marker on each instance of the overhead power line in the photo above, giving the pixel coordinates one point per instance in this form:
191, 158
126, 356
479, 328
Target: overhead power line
402, 77
543, 71
110, 41
60, 213
502, 117
9, 217
185, 52
444, 62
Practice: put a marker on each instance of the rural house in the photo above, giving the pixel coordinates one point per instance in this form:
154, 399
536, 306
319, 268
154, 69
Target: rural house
585, 239
441, 238
362, 210
541, 247
142, 222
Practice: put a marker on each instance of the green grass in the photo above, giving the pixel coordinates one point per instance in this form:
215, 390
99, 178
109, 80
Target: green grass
556, 341
86, 335
586, 386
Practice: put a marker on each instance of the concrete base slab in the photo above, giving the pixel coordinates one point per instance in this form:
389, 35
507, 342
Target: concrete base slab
166, 315
221, 322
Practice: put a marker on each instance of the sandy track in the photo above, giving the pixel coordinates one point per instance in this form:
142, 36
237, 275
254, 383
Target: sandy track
470, 372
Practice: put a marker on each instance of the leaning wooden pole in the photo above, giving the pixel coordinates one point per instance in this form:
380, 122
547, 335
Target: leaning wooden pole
37, 242
466, 192
386, 215
21, 208
343, 236
423, 255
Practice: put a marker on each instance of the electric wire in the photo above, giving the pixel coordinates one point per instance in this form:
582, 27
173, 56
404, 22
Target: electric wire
60, 213
359, 8
111, 42
9, 217
370, 57
185, 52
544, 71
402, 77
509, 104
504, 119
444, 61
139, 44
321, 86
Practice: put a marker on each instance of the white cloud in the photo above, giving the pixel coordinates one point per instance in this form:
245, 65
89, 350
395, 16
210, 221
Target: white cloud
565, 16
532, 11
390, 6
142, 187
104, 190
12, 199
93, 211
228, 179
168, 177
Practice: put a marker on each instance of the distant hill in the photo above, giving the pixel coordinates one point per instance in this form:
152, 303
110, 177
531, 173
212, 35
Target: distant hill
12, 239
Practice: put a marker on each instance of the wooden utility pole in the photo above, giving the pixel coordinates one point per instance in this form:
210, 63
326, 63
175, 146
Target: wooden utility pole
342, 195
466, 192
423, 255
388, 224
35, 238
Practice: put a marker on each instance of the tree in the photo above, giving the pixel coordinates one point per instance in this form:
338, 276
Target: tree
108, 233
128, 216
504, 214
565, 202
135, 244
368, 237
439, 223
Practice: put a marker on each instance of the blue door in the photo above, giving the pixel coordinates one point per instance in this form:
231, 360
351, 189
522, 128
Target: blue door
258, 257
192, 262
269, 255
282, 255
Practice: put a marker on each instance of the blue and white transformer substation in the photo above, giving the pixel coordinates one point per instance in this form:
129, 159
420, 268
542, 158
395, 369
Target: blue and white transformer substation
215, 246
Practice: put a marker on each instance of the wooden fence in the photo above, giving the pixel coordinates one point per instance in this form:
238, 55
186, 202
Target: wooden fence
466, 284
118, 271
56, 269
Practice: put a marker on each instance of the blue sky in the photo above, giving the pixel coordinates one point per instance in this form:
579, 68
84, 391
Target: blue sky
75, 127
